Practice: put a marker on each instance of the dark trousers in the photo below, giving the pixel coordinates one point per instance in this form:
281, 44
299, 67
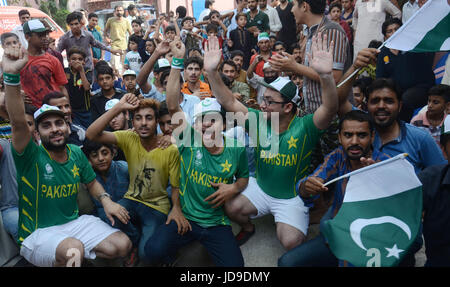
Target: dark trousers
218, 240
412, 99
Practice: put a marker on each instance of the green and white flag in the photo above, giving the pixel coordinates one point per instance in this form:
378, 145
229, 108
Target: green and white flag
428, 30
380, 215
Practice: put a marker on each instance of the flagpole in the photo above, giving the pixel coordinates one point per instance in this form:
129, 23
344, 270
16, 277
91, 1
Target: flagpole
397, 157
390, 39
356, 71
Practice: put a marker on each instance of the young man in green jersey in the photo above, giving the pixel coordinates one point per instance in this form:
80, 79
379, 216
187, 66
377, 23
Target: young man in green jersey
49, 176
213, 170
283, 149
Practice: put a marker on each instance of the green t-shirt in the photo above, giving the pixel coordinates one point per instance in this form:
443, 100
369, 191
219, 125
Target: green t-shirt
47, 189
278, 173
199, 168
261, 21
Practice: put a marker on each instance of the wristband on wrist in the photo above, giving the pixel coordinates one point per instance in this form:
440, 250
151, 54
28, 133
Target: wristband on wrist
177, 63
105, 194
11, 79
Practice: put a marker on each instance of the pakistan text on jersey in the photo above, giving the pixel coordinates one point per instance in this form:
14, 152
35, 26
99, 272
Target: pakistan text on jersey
205, 179
58, 191
279, 159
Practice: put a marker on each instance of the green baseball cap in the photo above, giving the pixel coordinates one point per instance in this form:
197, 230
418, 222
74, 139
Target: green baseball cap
285, 87
160, 65
34, 25
263, 36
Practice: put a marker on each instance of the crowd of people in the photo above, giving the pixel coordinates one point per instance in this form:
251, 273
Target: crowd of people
196, 123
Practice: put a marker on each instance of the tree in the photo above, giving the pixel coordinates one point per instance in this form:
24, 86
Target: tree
58, 12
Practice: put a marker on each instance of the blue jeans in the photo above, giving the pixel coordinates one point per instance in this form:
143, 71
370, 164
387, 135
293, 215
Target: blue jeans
143, 222
10, 217
312, 253
218, 240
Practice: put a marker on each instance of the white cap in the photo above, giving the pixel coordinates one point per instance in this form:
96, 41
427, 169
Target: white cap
207, 105
266, 65
47, 109
129, 73
110, 104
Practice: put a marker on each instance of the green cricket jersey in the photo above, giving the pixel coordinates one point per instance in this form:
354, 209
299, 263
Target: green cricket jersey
277, 173
47, 189
199, 168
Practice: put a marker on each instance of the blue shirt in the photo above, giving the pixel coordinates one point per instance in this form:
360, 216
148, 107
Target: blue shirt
421, 148
335, 165
117, 181
96, 52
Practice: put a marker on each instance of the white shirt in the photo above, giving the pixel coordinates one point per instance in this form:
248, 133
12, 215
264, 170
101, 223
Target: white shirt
274, 19
187, 105
203, 14
256, 83
18, 30
409, 10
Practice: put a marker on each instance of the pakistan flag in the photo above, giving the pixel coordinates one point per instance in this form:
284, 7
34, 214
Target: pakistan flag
380, 215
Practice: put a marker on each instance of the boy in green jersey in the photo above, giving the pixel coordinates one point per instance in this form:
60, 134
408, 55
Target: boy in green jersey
49, 176
283, 149
213, 170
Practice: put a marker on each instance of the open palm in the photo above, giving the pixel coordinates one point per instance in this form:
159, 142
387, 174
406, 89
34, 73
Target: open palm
213, 54
321, 56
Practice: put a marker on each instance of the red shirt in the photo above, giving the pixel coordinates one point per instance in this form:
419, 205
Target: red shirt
42, 75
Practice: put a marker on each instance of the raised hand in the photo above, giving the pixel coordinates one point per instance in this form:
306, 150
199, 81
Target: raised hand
213, 54
128, 102
177, 47
321, 56
163, 47
14, 59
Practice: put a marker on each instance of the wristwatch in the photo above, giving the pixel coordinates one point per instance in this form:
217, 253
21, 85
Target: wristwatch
103, 195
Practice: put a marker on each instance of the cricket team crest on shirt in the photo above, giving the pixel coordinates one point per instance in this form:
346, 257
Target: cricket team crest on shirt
48, 174
198, 158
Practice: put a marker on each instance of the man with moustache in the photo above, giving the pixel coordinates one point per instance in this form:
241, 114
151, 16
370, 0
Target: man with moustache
356, 133
50, 177
392, 135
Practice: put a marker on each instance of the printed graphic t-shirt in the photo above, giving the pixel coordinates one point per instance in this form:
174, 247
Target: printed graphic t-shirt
150, 172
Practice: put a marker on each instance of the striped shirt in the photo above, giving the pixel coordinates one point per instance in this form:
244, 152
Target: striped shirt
341, 58
5, 129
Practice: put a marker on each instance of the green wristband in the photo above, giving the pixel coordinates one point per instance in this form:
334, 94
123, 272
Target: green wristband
177, 63
11, 79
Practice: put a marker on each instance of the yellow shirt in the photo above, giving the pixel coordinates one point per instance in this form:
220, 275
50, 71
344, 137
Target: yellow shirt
118, 32
150, 172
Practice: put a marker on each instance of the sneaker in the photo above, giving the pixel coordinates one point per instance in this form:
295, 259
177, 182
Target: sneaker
243, 236
132, 259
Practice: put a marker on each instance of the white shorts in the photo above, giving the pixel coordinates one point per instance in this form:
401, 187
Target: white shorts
39, 248
290, 211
